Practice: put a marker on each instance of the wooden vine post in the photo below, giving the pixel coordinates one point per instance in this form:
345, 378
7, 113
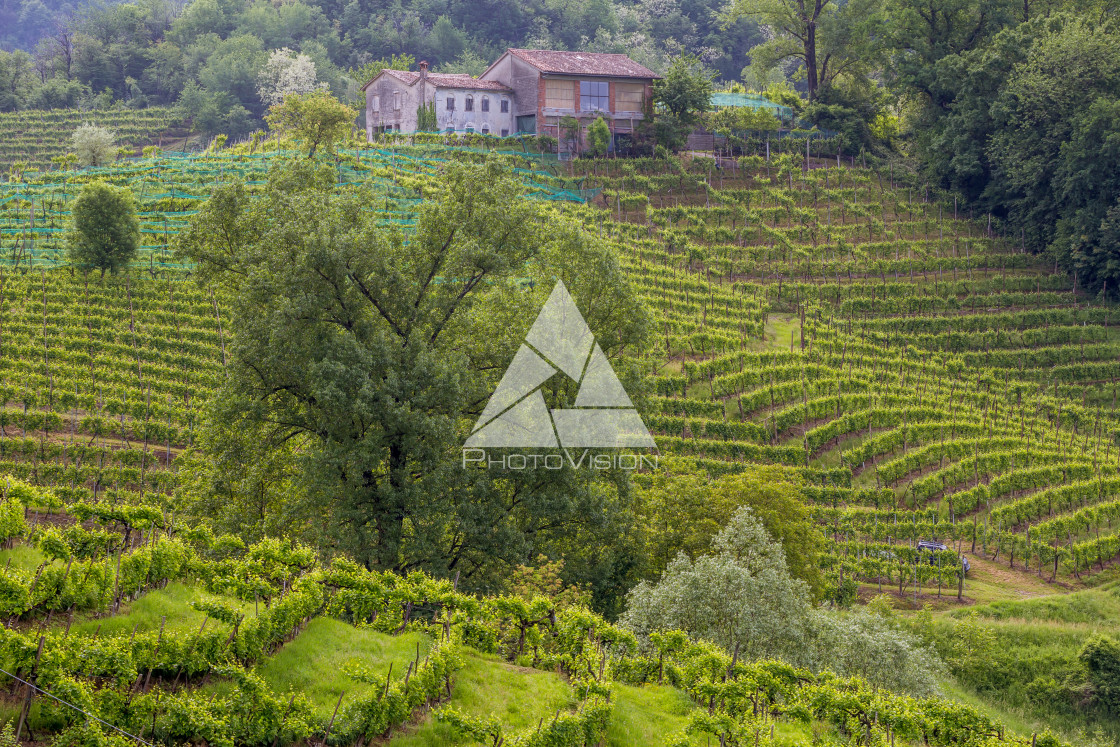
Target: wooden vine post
31, 679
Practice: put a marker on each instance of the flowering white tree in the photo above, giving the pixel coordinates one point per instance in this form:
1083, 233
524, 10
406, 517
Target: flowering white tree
286, 73
93, 145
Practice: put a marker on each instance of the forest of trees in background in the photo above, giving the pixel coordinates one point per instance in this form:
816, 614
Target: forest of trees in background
149, 51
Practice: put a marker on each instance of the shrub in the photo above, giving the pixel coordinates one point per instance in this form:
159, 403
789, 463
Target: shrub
1101, 657
598, 137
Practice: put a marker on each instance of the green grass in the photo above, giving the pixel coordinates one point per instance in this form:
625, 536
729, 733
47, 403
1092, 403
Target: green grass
778, 329
145, 613
1015, 722
1037, 640
647, 715
487, 686
1091, 607
22, 557
831, 458
651, 715
1025, 721
317, 663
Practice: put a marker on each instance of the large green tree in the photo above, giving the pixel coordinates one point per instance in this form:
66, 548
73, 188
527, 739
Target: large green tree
371, 351
316, 119
826, 38
104, 228
681, 98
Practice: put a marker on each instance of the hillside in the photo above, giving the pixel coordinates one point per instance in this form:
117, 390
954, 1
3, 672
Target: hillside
40, 140
923, 378
931, 379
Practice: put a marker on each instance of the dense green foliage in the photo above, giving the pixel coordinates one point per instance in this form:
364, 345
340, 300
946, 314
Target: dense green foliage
684, 512
105, 230
598, 136
742, 597
1018, 112
380, 466
1052, 658
682, 95
1101, 657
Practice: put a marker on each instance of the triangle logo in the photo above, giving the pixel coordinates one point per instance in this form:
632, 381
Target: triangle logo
559, 342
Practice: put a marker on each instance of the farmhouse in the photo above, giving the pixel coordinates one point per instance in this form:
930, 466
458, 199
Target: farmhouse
461, 103
532, 91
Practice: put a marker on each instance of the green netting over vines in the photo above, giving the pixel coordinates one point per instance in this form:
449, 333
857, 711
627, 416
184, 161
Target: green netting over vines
171, 187
749, 101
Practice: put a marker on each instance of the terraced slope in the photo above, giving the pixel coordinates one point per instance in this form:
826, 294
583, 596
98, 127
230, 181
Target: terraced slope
928, 378
170, 187
101, 381
779, 339
37, 138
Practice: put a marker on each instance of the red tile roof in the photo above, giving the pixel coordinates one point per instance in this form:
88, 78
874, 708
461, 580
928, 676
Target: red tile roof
584, 63
444, 80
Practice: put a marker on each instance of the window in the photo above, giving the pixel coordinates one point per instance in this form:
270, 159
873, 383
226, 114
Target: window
593, 96
628, 97
469, 106
558, 94
505, 106
396, 99
485, 103
505, 132
375, 103
450, 103
469, 128
485, 127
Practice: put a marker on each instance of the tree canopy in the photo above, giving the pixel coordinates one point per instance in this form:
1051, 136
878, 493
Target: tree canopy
1016, 111
93, 145
316, 119
682, 96
104, 228
742, 597
371, 352
682, 512
208, 54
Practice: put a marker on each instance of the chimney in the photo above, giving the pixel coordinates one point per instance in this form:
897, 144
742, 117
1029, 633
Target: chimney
423, 81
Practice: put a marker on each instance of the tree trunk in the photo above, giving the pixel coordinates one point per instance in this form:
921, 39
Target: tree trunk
390, 519
811, 55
